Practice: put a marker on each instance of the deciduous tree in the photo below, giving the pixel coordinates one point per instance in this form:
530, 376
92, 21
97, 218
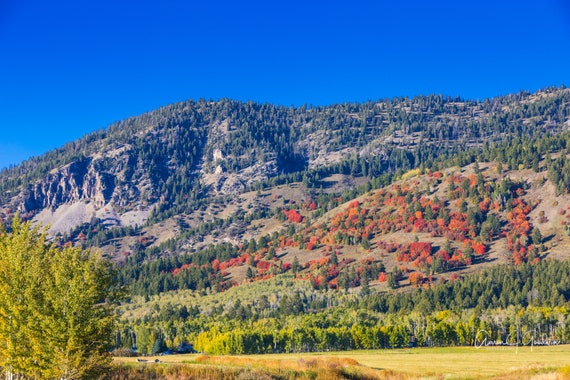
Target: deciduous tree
55, 315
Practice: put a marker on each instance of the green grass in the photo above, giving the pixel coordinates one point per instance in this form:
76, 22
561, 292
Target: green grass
418, 363
466, 362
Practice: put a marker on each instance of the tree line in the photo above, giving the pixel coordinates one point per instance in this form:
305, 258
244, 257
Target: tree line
504, 303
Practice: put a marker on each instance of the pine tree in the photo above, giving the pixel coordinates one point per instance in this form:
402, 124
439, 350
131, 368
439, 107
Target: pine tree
295, 266
536, 236
393, 282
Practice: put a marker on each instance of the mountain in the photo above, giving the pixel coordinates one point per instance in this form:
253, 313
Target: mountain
197, 173
291, 209
168, 158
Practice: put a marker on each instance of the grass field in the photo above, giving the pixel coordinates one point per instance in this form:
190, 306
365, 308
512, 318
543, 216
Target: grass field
418, 363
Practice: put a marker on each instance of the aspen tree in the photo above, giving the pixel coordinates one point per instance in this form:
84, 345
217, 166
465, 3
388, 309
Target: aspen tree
56, 318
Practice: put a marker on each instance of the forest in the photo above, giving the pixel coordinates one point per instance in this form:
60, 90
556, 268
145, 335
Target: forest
328, 303
349, 226
524, 304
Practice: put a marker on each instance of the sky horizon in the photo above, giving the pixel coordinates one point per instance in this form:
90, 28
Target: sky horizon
70, 68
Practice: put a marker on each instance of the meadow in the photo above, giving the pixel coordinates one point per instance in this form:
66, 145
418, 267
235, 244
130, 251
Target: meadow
526, 362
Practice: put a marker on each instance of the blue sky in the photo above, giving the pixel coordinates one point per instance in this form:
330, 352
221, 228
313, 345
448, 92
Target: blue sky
70, 67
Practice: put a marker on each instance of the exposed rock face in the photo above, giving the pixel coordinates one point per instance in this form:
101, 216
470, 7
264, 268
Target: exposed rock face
95, 186
97, 180
101, 179
78, 181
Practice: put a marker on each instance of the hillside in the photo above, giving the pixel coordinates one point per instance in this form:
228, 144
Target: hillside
451, 257
293, 187
239, 226
422, 229
202, 172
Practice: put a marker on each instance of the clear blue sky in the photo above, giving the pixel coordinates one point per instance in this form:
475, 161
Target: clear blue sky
70, 67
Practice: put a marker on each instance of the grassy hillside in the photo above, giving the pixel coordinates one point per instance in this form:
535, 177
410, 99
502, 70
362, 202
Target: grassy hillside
424, 228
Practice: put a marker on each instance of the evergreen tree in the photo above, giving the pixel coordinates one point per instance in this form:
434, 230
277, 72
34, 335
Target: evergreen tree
536, 236
249, 273
393, 281
295, 266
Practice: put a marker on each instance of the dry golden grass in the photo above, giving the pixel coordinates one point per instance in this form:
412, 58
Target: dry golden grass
538, 363
245, 367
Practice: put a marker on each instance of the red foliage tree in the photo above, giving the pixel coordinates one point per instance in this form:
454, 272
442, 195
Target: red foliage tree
416, 278
293, 215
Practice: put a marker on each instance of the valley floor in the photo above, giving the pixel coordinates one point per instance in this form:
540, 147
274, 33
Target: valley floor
526, 362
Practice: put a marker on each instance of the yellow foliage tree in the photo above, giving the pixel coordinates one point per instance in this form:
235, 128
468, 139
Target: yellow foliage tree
56, 318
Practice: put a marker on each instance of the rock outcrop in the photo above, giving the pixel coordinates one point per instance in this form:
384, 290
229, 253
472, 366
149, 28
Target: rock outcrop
78, 181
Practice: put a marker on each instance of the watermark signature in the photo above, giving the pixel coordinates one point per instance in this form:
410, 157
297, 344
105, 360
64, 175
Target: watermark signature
483, 339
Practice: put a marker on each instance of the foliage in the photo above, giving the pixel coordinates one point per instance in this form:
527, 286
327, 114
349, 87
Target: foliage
55, 316
397, 148
530, 298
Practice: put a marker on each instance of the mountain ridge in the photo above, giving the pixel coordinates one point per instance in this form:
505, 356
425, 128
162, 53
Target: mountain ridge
196, 165
221, 121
